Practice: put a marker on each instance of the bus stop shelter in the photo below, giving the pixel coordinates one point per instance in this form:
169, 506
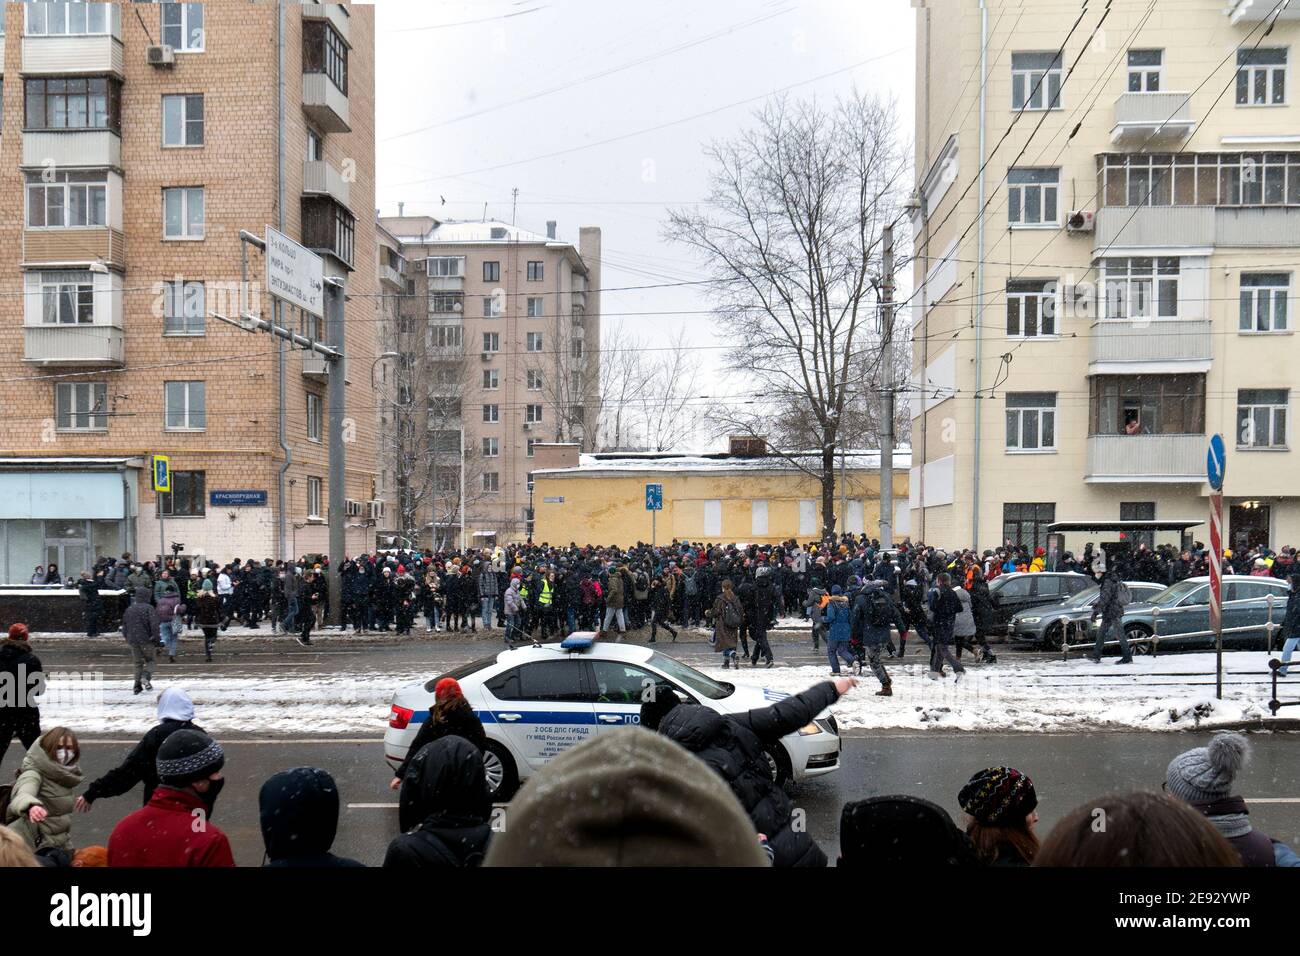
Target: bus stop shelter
1125, 533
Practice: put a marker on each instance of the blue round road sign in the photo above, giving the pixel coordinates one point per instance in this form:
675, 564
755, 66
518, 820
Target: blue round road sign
1216, 462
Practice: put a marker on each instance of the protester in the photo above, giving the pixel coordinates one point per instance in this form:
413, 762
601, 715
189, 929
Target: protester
727, 615
175, 712
41, 803
885, 833
21, 670
444, 808
451, 716
299, 813
141, 627
1000, 804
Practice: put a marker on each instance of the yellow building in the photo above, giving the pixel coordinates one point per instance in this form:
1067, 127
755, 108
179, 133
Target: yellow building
601, 499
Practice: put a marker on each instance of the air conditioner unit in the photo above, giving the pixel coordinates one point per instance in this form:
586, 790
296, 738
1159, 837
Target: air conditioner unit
352, 508
528, 426
487, 356
375, 510
1080, 221
419, 265
162, 55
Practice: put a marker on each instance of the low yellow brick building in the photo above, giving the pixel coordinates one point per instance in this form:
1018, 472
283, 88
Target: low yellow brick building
601, 499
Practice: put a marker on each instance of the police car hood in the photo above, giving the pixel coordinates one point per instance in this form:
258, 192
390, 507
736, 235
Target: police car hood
746, 697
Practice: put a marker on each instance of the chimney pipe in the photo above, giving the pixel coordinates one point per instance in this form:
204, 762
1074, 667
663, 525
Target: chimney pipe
400, 206
550, 229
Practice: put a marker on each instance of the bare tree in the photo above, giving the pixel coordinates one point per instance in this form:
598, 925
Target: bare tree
791, 235
668, 415
624, 377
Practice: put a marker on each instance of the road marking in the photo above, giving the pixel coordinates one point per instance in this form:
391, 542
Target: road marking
1272, 799
228, 742
372, 806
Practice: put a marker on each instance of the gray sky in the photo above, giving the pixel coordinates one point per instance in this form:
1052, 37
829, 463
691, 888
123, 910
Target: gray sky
477, 97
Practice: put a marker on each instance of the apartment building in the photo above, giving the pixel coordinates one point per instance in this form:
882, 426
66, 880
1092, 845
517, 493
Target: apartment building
498, 344
138, 140
1107, 236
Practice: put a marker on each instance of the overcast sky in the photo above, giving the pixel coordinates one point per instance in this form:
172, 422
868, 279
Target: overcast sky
479, 97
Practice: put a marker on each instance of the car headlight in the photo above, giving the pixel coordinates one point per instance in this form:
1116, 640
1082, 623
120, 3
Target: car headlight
1030, 620
809, 729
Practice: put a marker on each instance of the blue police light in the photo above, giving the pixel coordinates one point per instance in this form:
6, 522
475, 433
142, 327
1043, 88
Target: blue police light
578, 642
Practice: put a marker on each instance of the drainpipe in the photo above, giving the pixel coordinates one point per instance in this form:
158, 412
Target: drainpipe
925, 306
283, 530
979, 274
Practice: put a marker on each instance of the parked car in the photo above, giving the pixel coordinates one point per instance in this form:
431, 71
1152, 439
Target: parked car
1016, 592
1045, 626
1184, 609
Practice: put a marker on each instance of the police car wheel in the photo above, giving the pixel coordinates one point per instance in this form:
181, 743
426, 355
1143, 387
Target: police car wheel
778, 765
499, 769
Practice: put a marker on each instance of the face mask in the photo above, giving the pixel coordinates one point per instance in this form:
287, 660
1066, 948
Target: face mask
210, 798
65, 756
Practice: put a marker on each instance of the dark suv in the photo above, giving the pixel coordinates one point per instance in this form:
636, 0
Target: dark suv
1015, 592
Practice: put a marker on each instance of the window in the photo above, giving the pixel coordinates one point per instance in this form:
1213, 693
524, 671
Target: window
578, 315
184, 406
448, 482
542, 680
1261, 417
183, 308
67, 19
535, 271
182, 27
187, 497
446, 442
1144, 68
575, 384
1031, 421
491, 272
444, 302
1031, 199
446, 336
1200, 179
532, 444
315, 146
533, 413
1140, 288
491, 481
68, 200
577, 414
67, 298
575, 348
492, 306
1036, 81
534, 341
323, 51
491, 413
491, 341
55, 103
534, 380
1147, 405
1264, 301
1031, 308
1139, 511
491, 447
183, 120
1026, 524
446, 267
1261, 77
441, 408
313, 417
183, 213
81, 406
491, 379
313, 497
330, 227
536, 307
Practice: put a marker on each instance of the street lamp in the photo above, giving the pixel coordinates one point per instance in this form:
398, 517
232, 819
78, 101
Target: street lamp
380, 358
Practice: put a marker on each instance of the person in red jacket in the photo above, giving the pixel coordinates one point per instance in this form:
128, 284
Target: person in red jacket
175, 827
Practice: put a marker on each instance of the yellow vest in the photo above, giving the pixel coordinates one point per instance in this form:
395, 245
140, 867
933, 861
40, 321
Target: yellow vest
544, 598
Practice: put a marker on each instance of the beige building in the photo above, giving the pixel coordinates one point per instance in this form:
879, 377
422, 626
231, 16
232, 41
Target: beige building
1109, 285
498, 334
138, 141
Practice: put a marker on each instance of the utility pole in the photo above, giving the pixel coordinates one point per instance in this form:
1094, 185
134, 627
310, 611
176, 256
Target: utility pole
887, 382
338, 409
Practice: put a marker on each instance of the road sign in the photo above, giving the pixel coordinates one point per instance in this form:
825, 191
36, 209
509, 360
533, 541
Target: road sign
294, 273
161, 467
654, 497
1216, 463
237, 499
1216, 582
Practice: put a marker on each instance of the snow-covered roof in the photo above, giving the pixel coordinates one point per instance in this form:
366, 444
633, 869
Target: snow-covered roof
477, 231
702, 464
6, 462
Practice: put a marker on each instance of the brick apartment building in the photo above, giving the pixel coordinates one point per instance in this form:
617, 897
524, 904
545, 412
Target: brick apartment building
138, 141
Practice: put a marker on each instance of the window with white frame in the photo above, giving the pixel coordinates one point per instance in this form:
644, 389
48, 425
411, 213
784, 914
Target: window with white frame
183, 119
1261, 417
1140, 288
183, 212
533, 414
184, 406
183, 308
444, 302
446, 267
1031, 421
313, 417
491, 481
67, 298
1261, 76
315, 146
492, 306
67, 200
446, 336
313, 497
81, 406
1032, 195
491, 447
534, 380
67, 19
1144, 69
182, 27
536, 307
491, 379
536, 271
491, 414
491, 271
1036, 81
491, 341
1264, 301
532, 446
1031, 308
575, 348
534, 341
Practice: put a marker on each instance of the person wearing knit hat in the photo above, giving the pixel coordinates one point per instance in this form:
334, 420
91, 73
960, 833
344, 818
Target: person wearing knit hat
1203, 777
21, 670
451, 715
639, 782
1000, 804
901, 831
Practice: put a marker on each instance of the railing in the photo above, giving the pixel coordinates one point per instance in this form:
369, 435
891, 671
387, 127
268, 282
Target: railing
1170, 113
1159, 457
73, 345
1152, 340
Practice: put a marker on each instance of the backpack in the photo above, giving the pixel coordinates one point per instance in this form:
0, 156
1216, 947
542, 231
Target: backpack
879, 612
692, 588
731, 616
1123, 595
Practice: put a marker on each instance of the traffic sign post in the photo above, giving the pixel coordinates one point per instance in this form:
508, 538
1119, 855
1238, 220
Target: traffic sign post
1216, 467
160, 467
654, 503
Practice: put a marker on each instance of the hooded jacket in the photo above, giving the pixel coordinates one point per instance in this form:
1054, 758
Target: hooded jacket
43, 782
175, 712
22, 666
299, 812
162, 833
734, 746
444, 808
459, 721
140, 621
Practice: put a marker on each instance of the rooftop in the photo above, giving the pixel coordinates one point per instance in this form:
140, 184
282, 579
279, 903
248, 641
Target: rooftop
670, 463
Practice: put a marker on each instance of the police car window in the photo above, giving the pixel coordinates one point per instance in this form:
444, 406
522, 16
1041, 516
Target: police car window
460, 673
542, 680
618, 683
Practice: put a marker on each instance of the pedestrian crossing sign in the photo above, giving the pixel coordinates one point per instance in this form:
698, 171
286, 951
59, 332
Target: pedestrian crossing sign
161, 465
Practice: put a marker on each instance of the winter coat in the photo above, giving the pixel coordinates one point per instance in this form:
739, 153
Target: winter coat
1229, 816
726, 636
25, 675
1291, 620
140, 621
116, 578
616, 592
982, 607
444, 808
162, 833
487, 584
299, 811
514, 602
46, 783
838, 617
89, 591
459, 721
167, 606
945, 606
139, 579
734, 746
175, 712
207, 609
1110, 604
814, 605
963, 624
162, 587
862, 628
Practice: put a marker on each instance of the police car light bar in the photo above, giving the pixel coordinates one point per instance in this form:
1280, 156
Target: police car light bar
578, 642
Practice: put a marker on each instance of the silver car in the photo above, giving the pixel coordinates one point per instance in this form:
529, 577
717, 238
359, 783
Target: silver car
1045, 625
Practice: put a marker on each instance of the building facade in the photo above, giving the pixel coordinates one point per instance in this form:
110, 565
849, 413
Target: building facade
498, 338
138, 141
1106, 240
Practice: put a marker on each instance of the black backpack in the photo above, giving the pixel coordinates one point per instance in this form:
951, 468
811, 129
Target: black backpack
731, 615
879, 611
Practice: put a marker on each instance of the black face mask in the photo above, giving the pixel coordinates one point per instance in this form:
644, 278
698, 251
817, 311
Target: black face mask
210, 798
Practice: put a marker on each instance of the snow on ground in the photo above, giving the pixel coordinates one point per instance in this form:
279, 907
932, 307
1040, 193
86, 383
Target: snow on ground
1167, 693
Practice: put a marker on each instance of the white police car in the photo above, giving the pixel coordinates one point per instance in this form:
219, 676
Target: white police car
536, 702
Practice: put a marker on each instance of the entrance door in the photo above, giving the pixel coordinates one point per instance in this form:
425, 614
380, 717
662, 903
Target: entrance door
66, 546
1249, 526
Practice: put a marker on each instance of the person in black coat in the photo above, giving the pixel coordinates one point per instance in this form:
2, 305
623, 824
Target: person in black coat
444, 809
451, 715
299, 811
24, 677
981, 605
736, 745
89, 587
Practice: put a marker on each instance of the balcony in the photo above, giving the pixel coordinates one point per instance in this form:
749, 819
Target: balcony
47, 247
1196, 227
77, 54
1182, 341
81, 345
1255, 11
315, 366
1142, 118
1163, 459
72, 149
319, 178
324, 103
390, 275
335, 13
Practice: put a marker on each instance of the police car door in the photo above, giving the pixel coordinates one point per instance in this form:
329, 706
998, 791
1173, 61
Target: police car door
541, 708
621, 688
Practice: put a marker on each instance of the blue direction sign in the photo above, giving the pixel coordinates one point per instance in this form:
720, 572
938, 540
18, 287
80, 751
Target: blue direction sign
654, 497
1216, 463
237, 499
